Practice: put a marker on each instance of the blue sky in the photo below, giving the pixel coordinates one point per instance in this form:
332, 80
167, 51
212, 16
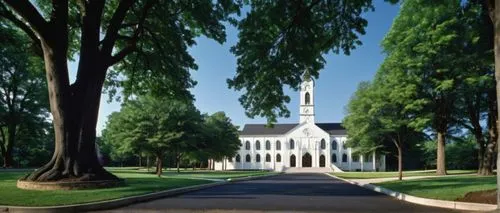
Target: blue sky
336, 83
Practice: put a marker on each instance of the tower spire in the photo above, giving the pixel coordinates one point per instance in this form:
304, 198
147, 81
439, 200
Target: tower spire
307, 98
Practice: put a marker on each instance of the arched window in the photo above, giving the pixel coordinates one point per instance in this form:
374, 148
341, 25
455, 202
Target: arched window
257, 158
334, 158
248, 158
268, 145
369, 158
278, 145
344, 158
334, 145
238, 158
355, 158
292, 144
257, 145
247, 145
268, 158
308, 98
230, 159
278, 158
344, 147
323, 144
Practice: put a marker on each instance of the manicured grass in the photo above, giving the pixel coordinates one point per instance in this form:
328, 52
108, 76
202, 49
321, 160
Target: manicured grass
369, 175
208, 174
443, 188
137, 182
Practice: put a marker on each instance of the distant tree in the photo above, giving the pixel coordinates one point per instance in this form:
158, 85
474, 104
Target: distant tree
113, 136
155, 126
23, 95
430, 53
376, 117
221, 137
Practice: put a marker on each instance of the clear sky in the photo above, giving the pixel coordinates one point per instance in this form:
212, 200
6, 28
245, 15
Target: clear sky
336, 83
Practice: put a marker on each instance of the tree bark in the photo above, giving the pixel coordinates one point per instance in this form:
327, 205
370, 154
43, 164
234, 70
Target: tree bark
7, 160
2, 147
398, 145
492, 132
494, 11
441, 161
178, 163
74, 109
400, 163
159, 165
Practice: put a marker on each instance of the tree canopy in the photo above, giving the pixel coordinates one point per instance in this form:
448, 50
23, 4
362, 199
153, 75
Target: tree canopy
280, 40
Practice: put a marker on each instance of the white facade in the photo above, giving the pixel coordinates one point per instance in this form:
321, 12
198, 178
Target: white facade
306, 144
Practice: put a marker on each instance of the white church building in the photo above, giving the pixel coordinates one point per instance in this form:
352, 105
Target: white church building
299, 145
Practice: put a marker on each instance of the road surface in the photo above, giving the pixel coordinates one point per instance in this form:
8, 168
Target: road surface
282, 193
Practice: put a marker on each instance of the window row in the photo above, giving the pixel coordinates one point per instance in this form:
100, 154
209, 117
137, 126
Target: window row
248, 158
355, 158
257, 158
292, 145
268, 145
334, 145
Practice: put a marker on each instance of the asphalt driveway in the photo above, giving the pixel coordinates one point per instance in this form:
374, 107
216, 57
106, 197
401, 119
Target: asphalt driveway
282, 193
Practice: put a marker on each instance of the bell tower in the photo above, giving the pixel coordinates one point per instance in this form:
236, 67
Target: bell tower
307, 99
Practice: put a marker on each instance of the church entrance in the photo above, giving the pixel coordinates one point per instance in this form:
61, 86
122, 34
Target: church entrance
292, 161
322, 161
307, 160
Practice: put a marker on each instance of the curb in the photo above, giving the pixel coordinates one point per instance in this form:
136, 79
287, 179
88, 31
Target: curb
120, 202
423, 201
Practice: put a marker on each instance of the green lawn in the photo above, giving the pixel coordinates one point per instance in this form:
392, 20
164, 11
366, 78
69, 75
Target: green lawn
443, 188
369, 175
189, 173
137, 182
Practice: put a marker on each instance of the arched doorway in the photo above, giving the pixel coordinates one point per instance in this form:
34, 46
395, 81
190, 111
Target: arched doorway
307, 160
322, 161
292, 161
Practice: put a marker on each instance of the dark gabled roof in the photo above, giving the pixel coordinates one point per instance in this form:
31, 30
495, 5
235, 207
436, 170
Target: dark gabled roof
332, 128
281, 129
262, 129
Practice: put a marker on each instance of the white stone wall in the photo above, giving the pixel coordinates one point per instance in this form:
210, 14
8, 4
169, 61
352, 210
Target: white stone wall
305, 142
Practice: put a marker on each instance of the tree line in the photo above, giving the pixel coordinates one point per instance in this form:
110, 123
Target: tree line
436, 82
159, 126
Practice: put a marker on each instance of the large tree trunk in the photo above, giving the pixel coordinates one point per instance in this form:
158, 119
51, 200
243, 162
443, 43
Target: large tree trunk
74, 109
494, 12
441, 161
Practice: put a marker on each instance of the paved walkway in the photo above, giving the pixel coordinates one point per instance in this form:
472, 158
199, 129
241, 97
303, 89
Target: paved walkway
282, 193
378, 180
